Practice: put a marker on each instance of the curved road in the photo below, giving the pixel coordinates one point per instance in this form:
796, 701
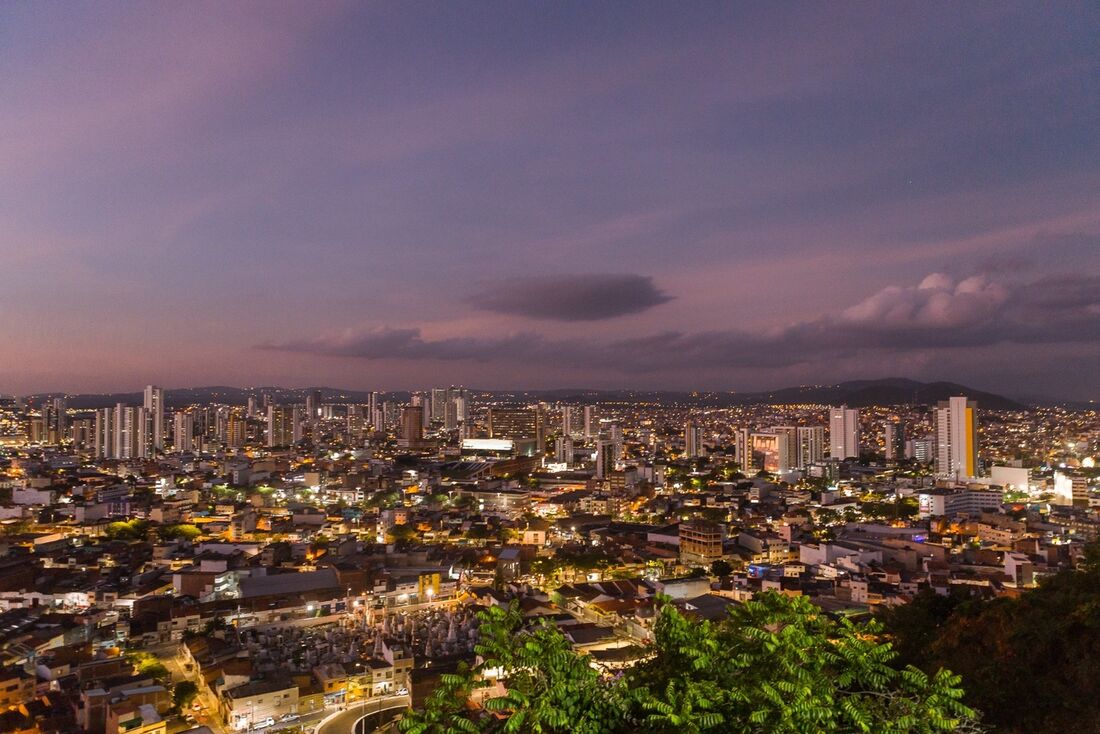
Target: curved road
384, 709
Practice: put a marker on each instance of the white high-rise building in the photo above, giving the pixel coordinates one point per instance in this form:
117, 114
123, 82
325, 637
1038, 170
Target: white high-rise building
154, 411
693, 440
183, 431
844, 432
130, 440
589, 422
567, 420
105, 433
791, 461
956, 434
811, 445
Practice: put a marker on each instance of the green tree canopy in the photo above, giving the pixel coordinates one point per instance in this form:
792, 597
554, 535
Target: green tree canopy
776, 665
184, 693
1030, 662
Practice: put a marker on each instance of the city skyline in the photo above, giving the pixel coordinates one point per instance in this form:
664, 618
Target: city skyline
711, 197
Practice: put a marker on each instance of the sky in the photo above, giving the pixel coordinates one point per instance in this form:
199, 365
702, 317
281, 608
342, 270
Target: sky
713, 196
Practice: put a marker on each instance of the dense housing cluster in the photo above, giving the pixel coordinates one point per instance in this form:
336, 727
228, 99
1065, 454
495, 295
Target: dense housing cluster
271, 559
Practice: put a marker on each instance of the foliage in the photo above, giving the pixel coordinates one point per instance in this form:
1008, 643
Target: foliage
182, 531
1030, 662
777, 664
184, 693
720, 567
148, 664
127, 529
403, 535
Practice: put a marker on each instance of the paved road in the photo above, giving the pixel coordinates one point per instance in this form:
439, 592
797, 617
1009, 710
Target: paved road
345, 722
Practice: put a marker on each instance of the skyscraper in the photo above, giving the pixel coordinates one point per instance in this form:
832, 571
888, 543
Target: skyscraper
589, 422
894, 440
516, 423
183, 431
567, 420
236, 431
439, 402
956, 434
811, 445
743, 447
412, 423
693, 439
771, 452
104, 433
605, 459
130, 440
793, 458
313, 405
154, 411
280, 425
844, 432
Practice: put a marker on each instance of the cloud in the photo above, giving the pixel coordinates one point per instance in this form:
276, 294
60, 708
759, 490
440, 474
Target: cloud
583, 297
939, 313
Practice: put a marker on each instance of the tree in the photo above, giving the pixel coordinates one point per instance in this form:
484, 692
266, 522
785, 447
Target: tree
776, 664
403, 535
184, 693
148, 664
1030, 662
184, 531
721, 567
127, 529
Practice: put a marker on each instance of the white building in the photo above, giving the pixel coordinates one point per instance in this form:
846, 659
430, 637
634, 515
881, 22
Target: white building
956, 424
844, 432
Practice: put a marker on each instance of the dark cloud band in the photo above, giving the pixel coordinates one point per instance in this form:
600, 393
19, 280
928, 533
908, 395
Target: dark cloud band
583, 297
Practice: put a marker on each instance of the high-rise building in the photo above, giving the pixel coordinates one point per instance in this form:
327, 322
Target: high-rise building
183, 430
518, 424
296, 420
313, 405
955, 421
590, 428
154, 410
567, 420
793, 458
105, 433
59, 423
894, 440
412, 423
563, 449
615, 432
743, 449
605, 459
693, 440
236, 431
82, 433
280, 425
450, 414
923, 449
771, 452
811, 445
130, 440
440, 398
844, 433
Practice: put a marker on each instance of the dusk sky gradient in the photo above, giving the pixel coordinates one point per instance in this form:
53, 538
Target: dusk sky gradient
730, 196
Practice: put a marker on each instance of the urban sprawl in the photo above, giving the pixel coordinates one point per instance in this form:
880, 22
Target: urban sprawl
303, 560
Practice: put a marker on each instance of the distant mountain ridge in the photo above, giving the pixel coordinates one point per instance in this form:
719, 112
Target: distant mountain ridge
855, 393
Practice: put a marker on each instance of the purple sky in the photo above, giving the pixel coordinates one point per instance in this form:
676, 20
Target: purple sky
670, 195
